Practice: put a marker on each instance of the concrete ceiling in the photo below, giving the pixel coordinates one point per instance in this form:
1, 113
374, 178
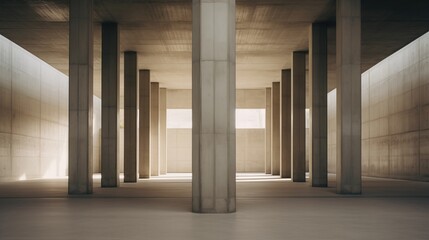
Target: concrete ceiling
161, 32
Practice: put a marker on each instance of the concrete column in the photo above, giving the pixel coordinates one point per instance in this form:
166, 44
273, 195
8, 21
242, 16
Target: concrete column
268, 130
213, 106
154, 128
144, 124
131, 105
286, 131
298, 117
348, 96
163, 131
275, 129
80, 96
110, 105
318, 65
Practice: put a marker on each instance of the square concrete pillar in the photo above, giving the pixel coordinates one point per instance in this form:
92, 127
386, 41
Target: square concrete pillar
80, 96
268, 130
109, 105
131, 106
286, 131
318, 66
213, 106
275, 128
154, 128
298, 117
349, 96
163, 131
144, 124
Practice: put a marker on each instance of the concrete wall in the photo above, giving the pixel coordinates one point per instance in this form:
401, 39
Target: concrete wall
33, 116
179, 141
332, 126
96, 138
250, 142
395, 115
179, 150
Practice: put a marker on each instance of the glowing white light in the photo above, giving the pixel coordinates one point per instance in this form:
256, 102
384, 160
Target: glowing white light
307, 118
244, 118
23, 177
179, 118
249, 118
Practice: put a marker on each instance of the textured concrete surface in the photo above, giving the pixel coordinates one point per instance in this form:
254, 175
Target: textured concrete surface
267, 33
332, 131
394, 115
33, 116
144, 123
154, 129
249, 143
250, 150
96, 136
178, 185
317, 142
275, 128
268, 207
286, 124
179, 140
131, 117
80, 97
179, 98
268, 130
110, 105
213, 106
163, 131
298, 73
349, 96
179, 152
250, 98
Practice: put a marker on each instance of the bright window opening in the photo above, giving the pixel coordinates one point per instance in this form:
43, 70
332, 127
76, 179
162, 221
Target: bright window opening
244, 118
249, 118
179, 118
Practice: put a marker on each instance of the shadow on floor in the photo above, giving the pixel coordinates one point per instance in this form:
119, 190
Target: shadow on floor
254, 185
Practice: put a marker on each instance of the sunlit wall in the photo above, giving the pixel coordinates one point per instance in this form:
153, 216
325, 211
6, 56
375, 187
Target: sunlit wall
33, 116
395, 115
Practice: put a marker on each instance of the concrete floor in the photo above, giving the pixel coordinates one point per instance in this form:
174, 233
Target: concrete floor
268, 208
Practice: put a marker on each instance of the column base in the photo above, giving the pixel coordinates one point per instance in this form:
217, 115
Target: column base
221, 205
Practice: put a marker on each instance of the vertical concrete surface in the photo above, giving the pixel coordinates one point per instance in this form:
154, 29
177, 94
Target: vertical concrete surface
179, 140
332, 131
33, 116
80, 96
213, 106
286, 101
298, 117
250, 142
109, 105
154, 128
144, 124
268, 130
348, 96
318, 66
131, 88
394, 115
275, 129
163, 131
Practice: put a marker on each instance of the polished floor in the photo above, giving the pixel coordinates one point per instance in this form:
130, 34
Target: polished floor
267, 208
